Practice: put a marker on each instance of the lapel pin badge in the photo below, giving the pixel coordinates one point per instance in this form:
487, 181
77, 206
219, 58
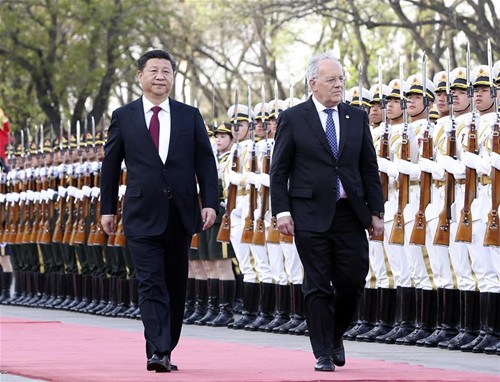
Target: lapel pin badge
347, 116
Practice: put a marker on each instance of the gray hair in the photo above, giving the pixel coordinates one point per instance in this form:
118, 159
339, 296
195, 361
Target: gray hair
312, 66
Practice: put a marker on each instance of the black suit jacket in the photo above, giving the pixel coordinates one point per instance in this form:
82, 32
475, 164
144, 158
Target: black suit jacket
149, 181
304, 171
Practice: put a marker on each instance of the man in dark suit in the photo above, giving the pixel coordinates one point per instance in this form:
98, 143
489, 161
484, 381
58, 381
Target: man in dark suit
325, 190
167, 152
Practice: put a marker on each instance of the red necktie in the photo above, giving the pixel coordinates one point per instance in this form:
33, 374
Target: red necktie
154, 126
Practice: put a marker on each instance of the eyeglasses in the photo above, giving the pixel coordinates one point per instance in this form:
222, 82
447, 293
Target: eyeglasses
333, 80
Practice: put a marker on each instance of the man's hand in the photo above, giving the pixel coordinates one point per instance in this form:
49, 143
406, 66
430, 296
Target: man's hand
108, 224
285, 225
377, 227
208, 217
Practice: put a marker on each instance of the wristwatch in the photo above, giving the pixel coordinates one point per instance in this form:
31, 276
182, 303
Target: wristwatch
379, 214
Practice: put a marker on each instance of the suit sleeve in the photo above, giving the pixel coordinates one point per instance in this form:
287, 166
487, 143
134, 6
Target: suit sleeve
111, 166
369, 171
281, 165
206, 167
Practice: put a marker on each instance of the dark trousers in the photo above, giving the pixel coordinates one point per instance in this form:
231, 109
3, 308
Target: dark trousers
335, 266
161, 268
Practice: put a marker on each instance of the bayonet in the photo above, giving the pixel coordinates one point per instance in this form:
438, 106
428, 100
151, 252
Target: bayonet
360, 86
381, 93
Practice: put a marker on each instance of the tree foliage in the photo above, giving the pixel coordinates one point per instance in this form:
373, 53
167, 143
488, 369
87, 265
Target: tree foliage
69, 59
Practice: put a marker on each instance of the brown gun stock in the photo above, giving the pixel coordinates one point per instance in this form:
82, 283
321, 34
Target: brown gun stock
492, 234
224, 233
464, 229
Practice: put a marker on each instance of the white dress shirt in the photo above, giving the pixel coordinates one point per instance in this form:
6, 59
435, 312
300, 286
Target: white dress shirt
165, 124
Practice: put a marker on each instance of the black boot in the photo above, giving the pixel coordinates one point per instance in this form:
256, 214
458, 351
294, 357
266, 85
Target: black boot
267, 297
51, 286
37, 288
427, 321
282, 314
94, 293
451, 318
46, 290
6, 283
408, 315
368, 315
226, 294
78, 292
111, 305
483, 322
200, 308
212, 303
103, 295
492, 336
296, 310
69, 290
251, 293
190, 297
19, 288
133, 300
86, 294
122, 298
385, 314
470, 323
60, 281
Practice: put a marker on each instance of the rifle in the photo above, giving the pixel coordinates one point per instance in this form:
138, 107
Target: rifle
259, 234
420, 226
397, 235
70, 200
45, 234
492, 234
464, 229
119, 239
224, 233
84, 203
384, 145
442, 235
24, 209
247, 234
58, 234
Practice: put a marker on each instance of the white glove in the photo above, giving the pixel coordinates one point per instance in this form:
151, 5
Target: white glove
469, 159
28, 172
383, 164
43, 172
235, 178
94, 166
431, 167
96, 191
453, 166
2, 198
44, 195
69, 169
252, 178
52, 194
79, 194
15, 197
62, 191
86, 191
22, 175
37, 197
121, 190
495, 160
35, 172
72, 191
124, 167
23, 196
264, 179
407, 168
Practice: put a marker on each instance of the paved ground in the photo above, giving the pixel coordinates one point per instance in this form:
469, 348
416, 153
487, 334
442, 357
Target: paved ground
437, 358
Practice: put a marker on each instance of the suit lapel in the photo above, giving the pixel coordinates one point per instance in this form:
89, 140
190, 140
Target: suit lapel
139, 123
312, 119
344, 121
175, 126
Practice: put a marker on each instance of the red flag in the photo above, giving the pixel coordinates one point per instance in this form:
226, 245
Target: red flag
4, 133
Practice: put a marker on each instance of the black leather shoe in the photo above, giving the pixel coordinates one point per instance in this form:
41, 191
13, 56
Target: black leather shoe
159, 363
324, 363
338, 353
174, 367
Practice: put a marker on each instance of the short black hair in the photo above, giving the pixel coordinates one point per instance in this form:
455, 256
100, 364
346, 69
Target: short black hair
157, 53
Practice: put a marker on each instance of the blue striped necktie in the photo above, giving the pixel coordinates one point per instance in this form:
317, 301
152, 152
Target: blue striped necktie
331, 135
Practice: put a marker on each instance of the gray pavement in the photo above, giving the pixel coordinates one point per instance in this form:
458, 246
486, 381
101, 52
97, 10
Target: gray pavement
435, 358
